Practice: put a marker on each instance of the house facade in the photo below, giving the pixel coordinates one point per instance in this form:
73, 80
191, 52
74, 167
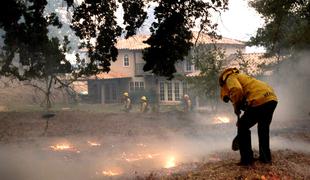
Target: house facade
127, 74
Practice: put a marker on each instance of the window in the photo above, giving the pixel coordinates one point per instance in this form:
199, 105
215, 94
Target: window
170, 90
126, 60
188, 66
176, 91
141, 85
184, 88
162, 91
136, 86
169, 87
131, 86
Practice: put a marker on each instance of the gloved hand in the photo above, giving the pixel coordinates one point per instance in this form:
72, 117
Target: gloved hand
237, 111
238, 118
235, 144
226, 99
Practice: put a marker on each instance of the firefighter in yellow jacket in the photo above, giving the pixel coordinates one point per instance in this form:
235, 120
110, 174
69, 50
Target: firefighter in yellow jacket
258, 101
127, 102
144, 105
187, 103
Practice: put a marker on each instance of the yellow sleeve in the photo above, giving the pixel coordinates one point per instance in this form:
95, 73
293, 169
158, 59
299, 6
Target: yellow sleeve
235, 91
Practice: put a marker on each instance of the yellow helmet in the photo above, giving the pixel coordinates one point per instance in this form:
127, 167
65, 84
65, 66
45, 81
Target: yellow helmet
224, 75
143, 98
126, 94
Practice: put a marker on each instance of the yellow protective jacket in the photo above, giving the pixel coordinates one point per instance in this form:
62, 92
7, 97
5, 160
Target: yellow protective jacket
144, 106
241, 88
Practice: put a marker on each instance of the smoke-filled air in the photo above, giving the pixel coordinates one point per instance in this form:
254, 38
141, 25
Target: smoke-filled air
93, 90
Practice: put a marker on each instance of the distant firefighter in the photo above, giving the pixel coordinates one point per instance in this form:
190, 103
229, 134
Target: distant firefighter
187, 103
258, 101
144, 104
127, 102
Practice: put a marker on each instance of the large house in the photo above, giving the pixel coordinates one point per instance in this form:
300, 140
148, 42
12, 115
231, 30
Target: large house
127, 73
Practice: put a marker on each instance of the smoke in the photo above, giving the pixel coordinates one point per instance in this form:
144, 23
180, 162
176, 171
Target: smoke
292, 85
173, 138
150, 144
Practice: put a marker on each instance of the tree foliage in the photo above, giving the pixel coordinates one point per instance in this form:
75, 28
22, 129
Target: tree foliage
171, 37
210, 62
26, 32
27, 42
287, 25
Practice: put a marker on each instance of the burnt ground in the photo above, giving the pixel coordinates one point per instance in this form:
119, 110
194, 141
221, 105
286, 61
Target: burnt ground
140, 146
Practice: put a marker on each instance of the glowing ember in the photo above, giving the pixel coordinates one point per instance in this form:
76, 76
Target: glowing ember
93, 143
111, 172
61, 147
221, 119
170, 162
138, 157
64, 147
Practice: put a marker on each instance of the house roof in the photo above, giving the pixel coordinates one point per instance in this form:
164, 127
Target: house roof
111, 75
206, 39
254, 62
80, 87
136, 42
133, 43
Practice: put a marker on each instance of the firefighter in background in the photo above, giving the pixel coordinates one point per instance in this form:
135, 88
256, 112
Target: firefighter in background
144, 105
127, 102
187, 103
258, 101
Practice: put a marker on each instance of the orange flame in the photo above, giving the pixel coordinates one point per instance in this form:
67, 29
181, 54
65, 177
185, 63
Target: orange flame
60, 147
93, 143
221, 120
64, 147
170, 162
111, 172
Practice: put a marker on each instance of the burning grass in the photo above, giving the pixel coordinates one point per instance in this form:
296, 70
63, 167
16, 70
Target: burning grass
167, 146
64, 147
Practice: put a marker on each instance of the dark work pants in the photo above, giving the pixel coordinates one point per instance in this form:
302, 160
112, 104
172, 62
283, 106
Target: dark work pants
262, 115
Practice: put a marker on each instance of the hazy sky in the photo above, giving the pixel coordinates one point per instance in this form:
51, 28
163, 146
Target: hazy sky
240, 21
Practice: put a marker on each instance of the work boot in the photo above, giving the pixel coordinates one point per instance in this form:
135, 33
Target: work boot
265, 161
246, 163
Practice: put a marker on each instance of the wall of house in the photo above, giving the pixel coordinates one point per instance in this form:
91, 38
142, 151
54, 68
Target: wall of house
108, 90
118, 65
94, 91
134, 56
97, 89
229, 50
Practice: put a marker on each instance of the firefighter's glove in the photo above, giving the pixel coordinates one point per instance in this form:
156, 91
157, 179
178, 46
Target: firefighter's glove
226, 99
235, 144
237, 111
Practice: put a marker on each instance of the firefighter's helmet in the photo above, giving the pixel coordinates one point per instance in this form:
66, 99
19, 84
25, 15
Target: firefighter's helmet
126, 94
143, 98
224, 75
